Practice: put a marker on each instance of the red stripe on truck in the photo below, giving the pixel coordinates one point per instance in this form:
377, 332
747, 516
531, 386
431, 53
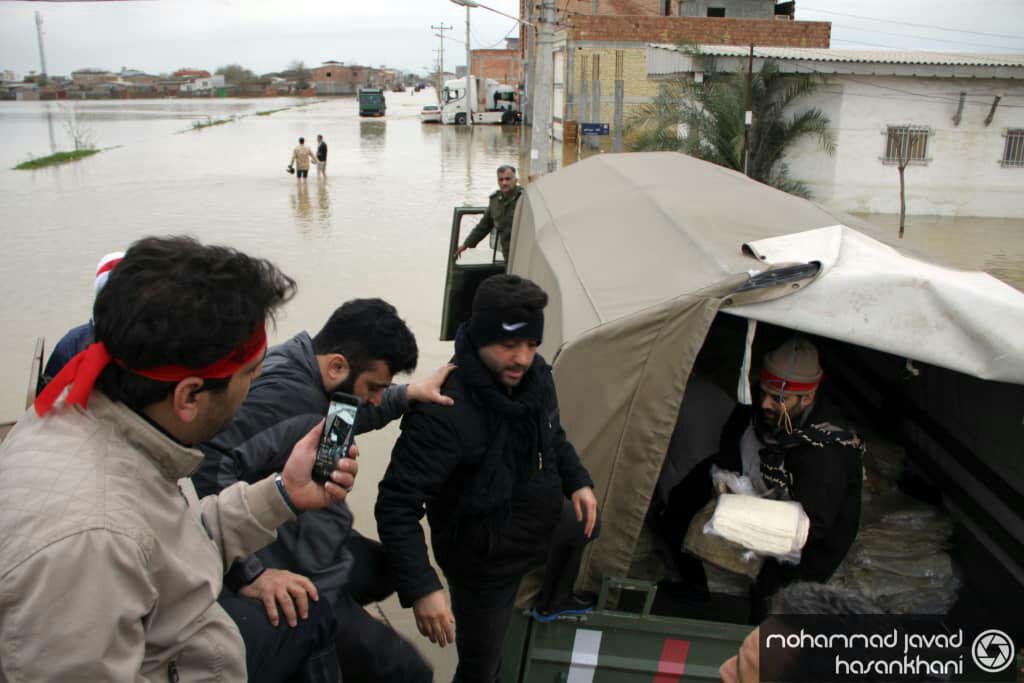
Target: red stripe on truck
672, 663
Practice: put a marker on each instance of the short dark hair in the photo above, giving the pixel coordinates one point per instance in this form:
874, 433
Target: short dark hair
174, 301
815, 598
509, 292
302, 141
366, 330
506, 167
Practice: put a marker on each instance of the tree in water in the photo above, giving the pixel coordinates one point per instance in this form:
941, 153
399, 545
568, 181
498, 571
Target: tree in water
705, 120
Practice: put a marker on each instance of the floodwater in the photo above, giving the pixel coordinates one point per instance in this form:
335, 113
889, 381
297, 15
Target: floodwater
378, 226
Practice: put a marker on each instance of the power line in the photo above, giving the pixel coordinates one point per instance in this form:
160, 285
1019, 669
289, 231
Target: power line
918, 37
907, 23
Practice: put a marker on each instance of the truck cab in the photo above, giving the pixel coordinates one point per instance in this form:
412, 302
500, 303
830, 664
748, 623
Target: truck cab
499, 107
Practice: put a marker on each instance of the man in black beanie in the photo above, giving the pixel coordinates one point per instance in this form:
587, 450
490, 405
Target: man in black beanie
503, 489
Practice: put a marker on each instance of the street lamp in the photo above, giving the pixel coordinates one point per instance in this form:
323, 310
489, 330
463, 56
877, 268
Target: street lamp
468, 4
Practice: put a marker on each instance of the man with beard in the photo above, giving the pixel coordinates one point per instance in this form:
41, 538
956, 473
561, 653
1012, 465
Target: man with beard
359, 350
109, 562
494, 474
791, 448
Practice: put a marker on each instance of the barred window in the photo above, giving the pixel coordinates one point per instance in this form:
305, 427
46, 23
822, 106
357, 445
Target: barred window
1013, 153
906, 141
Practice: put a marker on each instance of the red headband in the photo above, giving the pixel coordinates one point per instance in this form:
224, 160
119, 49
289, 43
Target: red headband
781, 384
82, 371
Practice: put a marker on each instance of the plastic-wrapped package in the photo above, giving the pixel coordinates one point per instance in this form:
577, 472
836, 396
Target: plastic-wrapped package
900, 558
728, 556
725, 481
769, 528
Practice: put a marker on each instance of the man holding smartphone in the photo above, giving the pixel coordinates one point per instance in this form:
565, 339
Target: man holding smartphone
359, 350
110, 564
503, 489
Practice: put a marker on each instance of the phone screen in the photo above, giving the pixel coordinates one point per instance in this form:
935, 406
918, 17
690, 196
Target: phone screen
337, 436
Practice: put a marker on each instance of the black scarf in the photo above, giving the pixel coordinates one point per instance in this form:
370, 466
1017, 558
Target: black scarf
810, 433
513, 427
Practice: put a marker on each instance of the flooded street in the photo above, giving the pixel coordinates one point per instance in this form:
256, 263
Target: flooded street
378, 226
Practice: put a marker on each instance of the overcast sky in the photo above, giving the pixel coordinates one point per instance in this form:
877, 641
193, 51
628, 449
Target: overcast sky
265, 35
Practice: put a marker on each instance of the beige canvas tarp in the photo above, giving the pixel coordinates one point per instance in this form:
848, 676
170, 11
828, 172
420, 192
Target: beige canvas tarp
638, 253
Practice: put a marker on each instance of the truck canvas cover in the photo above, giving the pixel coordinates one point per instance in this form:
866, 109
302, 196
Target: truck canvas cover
640, 252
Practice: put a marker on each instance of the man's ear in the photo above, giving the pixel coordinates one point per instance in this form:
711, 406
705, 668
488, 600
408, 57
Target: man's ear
185, 399
338, 369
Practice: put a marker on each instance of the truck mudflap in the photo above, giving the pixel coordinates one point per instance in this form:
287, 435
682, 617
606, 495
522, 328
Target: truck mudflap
610, 645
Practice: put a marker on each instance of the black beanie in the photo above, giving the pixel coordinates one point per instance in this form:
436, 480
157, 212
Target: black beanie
507, 307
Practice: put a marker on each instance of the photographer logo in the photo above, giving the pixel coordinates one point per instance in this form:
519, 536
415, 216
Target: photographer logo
992, 651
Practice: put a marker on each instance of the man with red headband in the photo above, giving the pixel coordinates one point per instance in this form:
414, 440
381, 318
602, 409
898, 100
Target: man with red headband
110, 565
791, 447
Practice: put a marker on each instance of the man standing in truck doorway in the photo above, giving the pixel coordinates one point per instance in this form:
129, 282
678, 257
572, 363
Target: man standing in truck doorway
501, 208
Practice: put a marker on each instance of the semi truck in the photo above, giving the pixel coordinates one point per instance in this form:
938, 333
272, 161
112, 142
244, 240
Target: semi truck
499, 107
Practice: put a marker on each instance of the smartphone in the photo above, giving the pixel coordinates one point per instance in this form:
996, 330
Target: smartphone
337, 437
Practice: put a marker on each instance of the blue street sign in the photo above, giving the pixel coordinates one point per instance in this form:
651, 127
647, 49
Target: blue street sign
594, 128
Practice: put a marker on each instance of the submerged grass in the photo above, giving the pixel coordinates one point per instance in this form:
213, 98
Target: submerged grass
268, 112
55, 159
209, 123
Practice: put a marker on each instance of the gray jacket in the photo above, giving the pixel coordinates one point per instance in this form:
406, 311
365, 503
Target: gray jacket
283, 404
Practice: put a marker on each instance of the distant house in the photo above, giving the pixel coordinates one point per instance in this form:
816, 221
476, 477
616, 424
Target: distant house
87, 79
336, 78
137, 78
206, 85
8, 76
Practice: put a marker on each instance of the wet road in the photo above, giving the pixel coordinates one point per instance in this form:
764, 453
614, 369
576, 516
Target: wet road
378, 226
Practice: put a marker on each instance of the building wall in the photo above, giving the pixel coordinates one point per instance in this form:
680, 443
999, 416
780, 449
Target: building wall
964, 176
504, 66
340, 79
749, 9
617, 7
734, 9
654, 29
90, 79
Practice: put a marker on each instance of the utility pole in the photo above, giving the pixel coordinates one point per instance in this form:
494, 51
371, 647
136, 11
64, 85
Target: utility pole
748, 115
540, 153
440, 68
39, 35
469, 74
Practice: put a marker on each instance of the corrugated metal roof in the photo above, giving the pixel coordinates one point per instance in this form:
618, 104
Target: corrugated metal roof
860, 56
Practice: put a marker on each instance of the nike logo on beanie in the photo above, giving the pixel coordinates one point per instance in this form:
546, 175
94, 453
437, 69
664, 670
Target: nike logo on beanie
512, 328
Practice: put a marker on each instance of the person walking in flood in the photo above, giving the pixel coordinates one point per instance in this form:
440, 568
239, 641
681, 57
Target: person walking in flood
503, 489
321, 157
501, 208
301, 158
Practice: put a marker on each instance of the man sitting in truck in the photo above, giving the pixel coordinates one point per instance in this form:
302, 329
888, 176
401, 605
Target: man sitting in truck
792, 449
501, 208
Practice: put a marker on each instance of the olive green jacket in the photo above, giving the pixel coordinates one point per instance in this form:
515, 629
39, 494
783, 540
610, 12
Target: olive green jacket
500, 211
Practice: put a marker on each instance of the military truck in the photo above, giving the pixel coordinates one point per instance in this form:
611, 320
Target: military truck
652, 261
372, 102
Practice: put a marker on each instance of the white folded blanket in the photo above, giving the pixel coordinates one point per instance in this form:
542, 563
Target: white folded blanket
768, 527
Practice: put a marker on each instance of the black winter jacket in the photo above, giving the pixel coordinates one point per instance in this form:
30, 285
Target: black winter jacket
434, 462
826, 481
283, 404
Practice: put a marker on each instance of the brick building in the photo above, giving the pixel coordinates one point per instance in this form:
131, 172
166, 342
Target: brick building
504, 66
337, 78
86, 79
600, 48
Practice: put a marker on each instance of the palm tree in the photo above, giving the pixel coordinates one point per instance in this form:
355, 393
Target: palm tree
706, 120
